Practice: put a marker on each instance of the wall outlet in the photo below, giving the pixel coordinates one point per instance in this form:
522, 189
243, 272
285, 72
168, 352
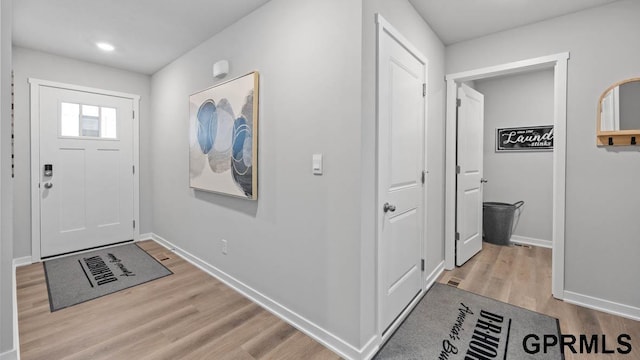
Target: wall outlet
224, 247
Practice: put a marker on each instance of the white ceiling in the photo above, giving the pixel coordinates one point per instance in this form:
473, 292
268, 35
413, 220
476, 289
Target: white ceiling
147, 34
458, 20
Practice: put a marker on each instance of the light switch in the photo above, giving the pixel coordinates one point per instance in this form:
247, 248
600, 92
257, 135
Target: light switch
317, 164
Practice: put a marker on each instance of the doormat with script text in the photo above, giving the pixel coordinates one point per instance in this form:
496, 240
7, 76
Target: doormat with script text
82, 277
453, 324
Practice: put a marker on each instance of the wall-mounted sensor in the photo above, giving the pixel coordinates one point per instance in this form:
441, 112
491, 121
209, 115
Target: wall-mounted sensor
220, 69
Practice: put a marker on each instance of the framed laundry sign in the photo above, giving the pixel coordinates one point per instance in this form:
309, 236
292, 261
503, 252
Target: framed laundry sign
532, 138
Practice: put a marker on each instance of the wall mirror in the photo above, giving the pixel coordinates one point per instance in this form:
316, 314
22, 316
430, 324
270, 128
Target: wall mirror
619, 114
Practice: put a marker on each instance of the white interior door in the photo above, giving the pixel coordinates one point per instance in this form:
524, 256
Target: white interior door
401, 149
87, 198
470, 180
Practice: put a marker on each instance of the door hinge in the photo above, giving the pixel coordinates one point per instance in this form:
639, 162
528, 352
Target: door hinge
422, 264
424, 89
133, 168
457, 169
458, 102
457, 236
133, 114
424, 176
134, 224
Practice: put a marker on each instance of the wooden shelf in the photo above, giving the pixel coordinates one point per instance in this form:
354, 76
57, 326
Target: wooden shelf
618, 140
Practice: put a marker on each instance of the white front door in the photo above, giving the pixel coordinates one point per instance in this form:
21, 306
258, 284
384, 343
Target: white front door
401, 148
86, 170
469, 184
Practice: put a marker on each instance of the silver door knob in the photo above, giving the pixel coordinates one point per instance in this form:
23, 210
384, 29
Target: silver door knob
484, 181
388, 207
48, 185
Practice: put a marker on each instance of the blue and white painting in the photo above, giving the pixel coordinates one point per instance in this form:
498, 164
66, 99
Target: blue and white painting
223, 138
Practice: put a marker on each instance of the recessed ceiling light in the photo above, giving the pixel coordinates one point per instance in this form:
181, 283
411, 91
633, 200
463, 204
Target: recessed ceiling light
105, 46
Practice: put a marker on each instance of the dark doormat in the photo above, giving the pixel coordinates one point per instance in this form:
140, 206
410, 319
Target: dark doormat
452, 324
78, 278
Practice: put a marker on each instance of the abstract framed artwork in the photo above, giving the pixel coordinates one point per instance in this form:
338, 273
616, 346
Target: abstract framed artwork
223, 138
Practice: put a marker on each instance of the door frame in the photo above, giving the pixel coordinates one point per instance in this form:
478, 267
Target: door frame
35, 85
557, 62
383, 26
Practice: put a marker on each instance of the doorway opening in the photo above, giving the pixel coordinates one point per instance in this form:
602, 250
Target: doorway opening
518, 157
558, 64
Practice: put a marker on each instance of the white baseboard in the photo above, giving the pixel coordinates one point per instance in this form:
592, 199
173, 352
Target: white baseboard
610, 307
435, 274
319, 334
531, 241
146, 236
9, 355
22, 261
15, 353
371, 348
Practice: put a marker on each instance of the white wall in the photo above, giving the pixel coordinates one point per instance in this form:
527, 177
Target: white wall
29, 63
401, 15
6, 183
302, 243
516, 101
299, 243
602, 189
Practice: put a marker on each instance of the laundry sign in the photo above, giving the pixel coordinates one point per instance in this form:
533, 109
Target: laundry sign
533, 138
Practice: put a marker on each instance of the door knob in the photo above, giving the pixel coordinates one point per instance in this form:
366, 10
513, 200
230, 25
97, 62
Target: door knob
388, 207
484, 181
48, 185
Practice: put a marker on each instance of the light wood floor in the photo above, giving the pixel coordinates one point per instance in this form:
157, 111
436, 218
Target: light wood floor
191, 315
522, 276
188, 315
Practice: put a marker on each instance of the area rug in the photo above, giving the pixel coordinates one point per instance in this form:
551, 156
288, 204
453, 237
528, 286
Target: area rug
452, 324
78, 278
